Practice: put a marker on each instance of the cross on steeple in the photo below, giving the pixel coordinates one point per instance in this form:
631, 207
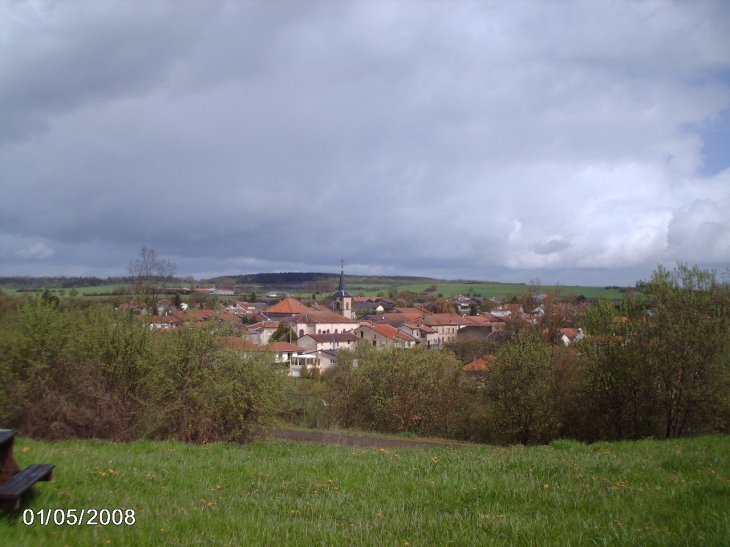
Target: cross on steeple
342, 262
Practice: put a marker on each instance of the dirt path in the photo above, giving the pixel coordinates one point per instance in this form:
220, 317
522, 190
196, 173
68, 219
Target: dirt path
346, 440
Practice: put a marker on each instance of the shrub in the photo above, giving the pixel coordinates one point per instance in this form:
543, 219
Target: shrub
97, 372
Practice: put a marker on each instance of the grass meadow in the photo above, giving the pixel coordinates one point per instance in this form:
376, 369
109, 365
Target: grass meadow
83, 292
486, 290
501, 290
282, 493
448, 289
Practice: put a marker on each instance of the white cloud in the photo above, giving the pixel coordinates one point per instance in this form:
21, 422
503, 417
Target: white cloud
37, 251
700, 232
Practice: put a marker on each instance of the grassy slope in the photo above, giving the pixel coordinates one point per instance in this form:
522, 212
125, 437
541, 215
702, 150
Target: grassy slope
280, 493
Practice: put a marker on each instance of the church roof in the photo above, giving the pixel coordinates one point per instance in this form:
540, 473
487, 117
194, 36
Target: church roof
319, 317
342, 289
288, 306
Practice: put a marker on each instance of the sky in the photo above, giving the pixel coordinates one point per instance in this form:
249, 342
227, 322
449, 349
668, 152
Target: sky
574, 142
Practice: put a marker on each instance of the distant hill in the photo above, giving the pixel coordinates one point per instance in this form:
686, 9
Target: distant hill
301, 277
298, 278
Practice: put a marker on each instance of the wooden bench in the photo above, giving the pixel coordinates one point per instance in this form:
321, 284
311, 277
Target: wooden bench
14, 482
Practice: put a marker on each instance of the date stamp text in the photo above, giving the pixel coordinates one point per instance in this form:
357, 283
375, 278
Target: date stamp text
80, 517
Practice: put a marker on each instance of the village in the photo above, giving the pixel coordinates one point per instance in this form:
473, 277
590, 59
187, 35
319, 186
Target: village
314, 334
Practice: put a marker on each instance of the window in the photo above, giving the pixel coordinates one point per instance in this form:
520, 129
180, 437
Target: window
374, 343
301, 332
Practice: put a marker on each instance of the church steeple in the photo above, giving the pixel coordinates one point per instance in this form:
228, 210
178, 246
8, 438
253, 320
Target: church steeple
342, 299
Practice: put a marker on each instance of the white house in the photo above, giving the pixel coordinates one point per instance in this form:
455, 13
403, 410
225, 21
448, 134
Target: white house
321, 360
320, 322
318, 342
259, 333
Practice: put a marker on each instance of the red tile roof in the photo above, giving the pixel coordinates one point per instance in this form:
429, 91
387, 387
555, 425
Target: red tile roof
162, 319
228, 316
284, 347
337, 337
483, 319
277, 347
239, 343
415, 313
290, 306
265, 325
391, 332
390, 318
479, 365
418, 325
441, 319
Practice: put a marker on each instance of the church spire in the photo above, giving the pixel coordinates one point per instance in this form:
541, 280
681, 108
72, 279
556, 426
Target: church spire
342, 301
342, 288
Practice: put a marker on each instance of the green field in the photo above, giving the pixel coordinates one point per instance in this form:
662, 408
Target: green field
486, 290
447, 289
500, 290
282, 493
83, 292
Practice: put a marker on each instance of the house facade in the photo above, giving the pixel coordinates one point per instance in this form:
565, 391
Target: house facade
320, 342
446, 325
382, 335
320, 322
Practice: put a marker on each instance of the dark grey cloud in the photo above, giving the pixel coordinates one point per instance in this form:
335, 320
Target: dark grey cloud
63, 57
477, 140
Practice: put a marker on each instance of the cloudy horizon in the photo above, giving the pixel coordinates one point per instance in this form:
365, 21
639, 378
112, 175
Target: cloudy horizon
575, 142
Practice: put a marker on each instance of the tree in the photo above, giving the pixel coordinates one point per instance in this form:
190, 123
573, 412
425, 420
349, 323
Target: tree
49, 298
406, 299
686, 337
663, 366
619, 388
225, 283
342, 383
522, 389
150, 275
443, 306
283, 334
396, 390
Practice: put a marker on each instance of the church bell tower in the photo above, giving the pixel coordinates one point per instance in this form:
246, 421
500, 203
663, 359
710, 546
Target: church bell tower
342, 300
